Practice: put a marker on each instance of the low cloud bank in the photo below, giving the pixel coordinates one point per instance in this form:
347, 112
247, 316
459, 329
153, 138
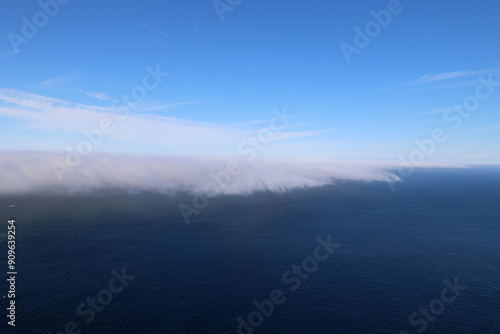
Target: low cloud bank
49, 172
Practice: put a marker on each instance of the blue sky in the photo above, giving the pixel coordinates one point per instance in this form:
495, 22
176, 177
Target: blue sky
227, 76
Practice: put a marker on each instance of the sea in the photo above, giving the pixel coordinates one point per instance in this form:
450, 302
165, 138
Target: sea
351, 257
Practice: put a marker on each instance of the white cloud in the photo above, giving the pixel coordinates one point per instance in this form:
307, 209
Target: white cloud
29, 171
98, 96
441, 110
149, 27
56, 81
146, 106
151, 106
175, 135
446, 76
286, 135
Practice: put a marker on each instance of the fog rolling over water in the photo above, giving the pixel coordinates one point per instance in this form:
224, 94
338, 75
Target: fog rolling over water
60, 172
395, 252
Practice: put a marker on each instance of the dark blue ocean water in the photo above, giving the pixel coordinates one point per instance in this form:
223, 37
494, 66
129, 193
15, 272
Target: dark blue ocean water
396, 250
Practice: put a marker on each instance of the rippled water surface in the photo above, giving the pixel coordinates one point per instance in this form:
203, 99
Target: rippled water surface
396, 250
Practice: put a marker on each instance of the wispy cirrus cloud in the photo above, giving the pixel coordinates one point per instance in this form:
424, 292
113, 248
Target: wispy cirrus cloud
147, 106
55, 81
152, 106
453, 76
98, 96
174, 135
151, 28
441, 110
298, 134
447, 76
